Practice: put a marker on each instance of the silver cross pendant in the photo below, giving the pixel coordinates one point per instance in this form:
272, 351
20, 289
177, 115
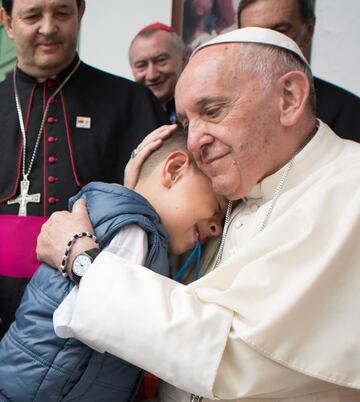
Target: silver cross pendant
24, 197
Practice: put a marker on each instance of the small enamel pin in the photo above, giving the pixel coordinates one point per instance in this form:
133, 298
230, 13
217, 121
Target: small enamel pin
83, 122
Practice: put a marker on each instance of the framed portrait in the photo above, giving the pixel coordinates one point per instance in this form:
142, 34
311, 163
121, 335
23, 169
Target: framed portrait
197, 21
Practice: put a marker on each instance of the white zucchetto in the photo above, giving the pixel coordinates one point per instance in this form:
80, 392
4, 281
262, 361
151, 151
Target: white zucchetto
263, 36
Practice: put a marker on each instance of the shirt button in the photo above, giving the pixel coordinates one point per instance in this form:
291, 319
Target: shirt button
52, 120
52, 200
52, 159
239, 225
52, 139
52, 179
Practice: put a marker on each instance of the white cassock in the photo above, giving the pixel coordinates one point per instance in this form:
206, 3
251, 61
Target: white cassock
278, 320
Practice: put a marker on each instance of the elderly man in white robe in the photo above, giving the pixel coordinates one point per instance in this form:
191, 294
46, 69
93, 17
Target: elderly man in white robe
274, 316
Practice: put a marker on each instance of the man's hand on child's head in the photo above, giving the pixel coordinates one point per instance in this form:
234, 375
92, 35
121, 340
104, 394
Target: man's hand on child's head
59, 229
150, 143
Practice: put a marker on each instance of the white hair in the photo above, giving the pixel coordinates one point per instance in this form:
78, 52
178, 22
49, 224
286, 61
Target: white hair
270, 63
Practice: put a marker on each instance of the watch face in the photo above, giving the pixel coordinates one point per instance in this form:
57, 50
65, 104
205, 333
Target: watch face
81, 264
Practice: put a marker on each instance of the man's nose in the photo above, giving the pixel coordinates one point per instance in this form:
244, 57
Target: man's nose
48, 26
198, 138
152, 72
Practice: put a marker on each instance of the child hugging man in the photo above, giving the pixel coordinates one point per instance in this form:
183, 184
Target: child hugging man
171, 208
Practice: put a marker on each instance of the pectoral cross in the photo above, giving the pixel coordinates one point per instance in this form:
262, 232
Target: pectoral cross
24, 197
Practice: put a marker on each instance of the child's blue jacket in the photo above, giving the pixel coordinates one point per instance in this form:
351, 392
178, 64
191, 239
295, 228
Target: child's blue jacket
36, 365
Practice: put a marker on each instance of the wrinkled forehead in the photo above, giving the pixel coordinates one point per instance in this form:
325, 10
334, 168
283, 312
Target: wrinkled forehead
213, 65
152, 45
211, 60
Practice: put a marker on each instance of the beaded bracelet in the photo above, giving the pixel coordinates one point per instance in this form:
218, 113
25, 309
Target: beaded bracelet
68, 248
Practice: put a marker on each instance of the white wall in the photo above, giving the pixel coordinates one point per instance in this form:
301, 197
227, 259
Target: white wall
336, 45
109, 25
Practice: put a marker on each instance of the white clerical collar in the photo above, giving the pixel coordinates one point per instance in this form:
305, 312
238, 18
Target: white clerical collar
42, 80
255, 193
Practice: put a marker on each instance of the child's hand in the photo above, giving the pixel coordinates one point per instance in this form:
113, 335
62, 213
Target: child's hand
151, 142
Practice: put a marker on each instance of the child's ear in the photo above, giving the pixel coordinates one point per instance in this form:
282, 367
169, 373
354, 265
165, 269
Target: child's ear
176, 164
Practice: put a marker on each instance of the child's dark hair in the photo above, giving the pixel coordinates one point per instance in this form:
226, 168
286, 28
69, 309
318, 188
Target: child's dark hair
176, 141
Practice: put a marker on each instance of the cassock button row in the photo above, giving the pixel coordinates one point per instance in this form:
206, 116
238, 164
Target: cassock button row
52, 200
52, 179
52, 159
52, 101
52, 139
52, 120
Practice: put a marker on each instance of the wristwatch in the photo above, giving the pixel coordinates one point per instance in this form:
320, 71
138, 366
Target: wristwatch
82, 262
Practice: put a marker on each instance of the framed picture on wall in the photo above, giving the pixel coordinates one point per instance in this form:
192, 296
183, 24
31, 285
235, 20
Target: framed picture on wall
197, 21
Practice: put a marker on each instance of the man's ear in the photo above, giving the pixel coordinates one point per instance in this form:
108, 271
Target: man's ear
5, 19
294, 90
176, 164
81, 9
